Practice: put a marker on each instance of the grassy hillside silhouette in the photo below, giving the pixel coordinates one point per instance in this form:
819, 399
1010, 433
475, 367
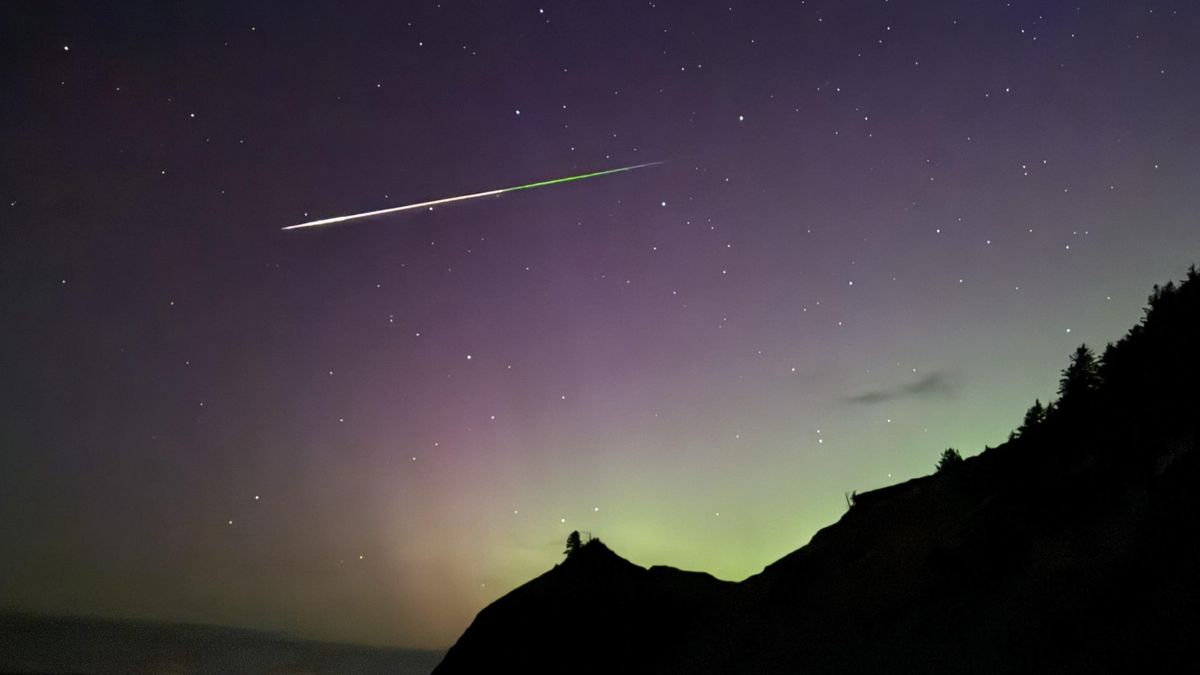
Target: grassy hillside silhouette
1073, 547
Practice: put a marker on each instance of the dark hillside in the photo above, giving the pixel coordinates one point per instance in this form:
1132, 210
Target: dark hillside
595, 612
1073, 547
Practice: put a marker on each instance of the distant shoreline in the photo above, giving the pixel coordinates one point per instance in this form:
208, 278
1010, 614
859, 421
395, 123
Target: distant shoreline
32, 642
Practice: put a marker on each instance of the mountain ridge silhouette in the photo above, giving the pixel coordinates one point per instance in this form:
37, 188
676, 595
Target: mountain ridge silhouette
1073, 547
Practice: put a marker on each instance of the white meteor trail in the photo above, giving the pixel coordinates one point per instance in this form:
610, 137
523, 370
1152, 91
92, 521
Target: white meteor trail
461, 198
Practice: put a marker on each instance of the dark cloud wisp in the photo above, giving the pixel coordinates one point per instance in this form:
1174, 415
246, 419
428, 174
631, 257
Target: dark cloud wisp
934, 384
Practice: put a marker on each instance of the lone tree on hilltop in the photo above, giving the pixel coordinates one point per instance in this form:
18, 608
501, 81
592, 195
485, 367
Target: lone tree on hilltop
949, 458
573, 543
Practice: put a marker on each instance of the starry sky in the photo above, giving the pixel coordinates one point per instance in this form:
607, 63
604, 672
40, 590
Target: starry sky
881, 228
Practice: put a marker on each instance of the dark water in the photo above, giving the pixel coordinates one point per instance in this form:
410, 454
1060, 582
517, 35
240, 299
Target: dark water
36, 644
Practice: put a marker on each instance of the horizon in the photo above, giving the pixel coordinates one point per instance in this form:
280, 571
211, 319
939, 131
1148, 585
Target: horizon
874, 231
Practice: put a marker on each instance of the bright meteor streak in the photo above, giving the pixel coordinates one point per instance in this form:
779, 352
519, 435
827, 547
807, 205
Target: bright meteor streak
461, 198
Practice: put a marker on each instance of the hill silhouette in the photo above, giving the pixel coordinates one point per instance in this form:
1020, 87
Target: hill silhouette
1070, 548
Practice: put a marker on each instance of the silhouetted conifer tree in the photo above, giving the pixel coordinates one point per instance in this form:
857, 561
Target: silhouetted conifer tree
1159, 294
573, 543
1033, 417
949, 458
1109, 354
1081, 376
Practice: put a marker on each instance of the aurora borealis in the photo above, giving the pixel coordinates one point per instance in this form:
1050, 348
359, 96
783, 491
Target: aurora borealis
884, 227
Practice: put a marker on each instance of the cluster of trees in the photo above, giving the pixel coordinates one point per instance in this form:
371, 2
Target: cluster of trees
1077, 386
1080, 381
1134, 366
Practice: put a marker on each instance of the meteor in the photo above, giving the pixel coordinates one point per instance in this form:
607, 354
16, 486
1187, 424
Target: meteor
461, 198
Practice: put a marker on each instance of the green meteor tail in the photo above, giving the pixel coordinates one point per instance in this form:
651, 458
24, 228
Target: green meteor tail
568, 179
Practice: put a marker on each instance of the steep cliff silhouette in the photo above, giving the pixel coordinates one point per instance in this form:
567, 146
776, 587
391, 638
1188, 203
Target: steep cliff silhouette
1073, 547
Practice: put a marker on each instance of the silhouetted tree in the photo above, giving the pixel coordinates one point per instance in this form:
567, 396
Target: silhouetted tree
1033, 417
949, 458
573, 543
1160, 295
1081, 376
1110, 351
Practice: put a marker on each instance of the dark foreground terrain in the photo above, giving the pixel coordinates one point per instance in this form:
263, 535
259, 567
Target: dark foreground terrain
38, 644
1072, 548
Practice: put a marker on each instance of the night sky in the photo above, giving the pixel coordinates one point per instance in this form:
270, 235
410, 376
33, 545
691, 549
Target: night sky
880, 229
